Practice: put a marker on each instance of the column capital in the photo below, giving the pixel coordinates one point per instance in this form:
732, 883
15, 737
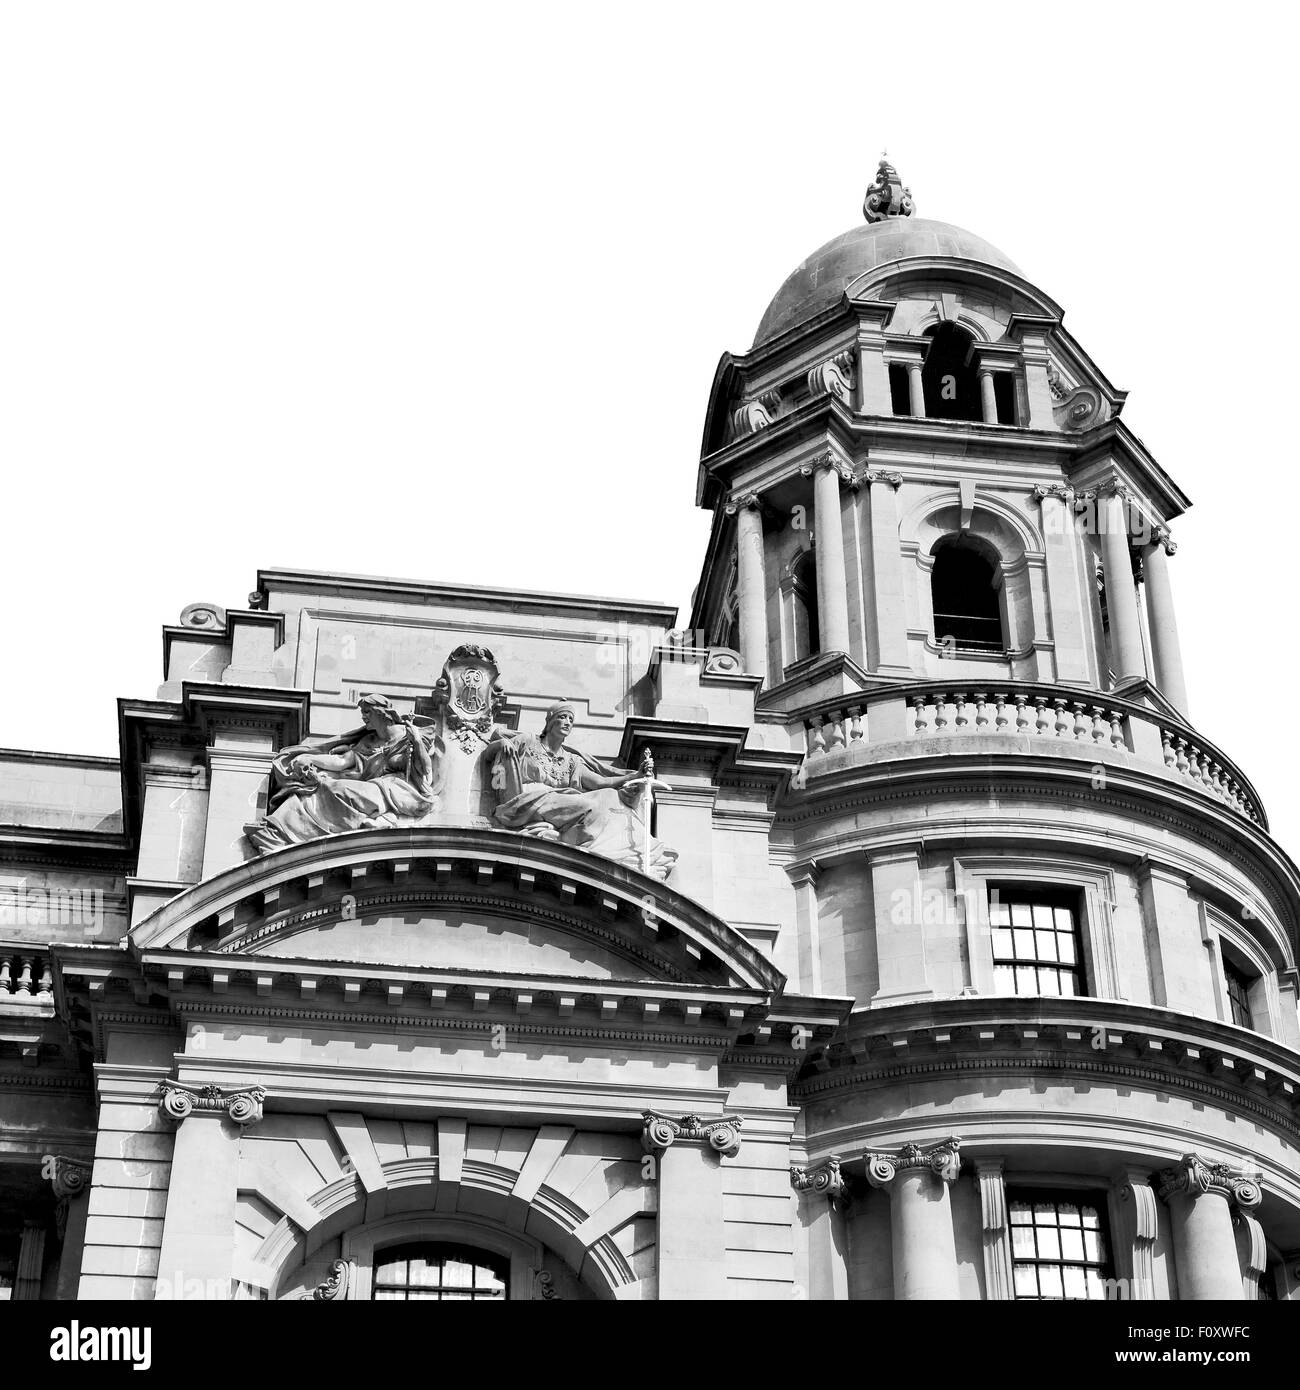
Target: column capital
1162, 536
68, 1176
825, 1179
1115, 487
883, 475
241, 1104
750, 501
722, 1134
943, 1160
1195, 1176
833, 465
1063, 491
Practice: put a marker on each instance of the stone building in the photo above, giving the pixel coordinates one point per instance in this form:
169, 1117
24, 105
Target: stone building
888, 931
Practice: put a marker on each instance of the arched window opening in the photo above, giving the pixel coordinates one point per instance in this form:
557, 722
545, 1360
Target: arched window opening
951, 384
967, 608
439, 1272
806, 631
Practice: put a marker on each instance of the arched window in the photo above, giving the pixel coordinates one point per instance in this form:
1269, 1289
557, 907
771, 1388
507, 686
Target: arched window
805, 633
952, 389
964, 587
429, 1271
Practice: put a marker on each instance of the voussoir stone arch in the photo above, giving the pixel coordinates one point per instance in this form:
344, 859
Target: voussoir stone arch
487, 1191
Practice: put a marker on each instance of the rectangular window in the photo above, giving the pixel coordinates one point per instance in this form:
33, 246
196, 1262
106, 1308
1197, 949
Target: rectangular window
1035, 941
1239, 984
900, 394
1004, 394
1059, 1245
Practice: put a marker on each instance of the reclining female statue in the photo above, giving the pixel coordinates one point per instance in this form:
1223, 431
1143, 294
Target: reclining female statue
380, 774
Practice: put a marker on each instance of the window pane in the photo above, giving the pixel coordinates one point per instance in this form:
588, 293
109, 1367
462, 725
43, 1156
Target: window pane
1075, 1284
1025, 980
1045, 944
1022, 1242
1071, 1243
1002, 949
457, 1275
1067, 983
1022, 915
1004, 979
1043, 916
1049, 1243
999, 913
1024, 944
1049, 1281
1048, 981
1026, 1282
393, 1272
1066, 947
1064, 920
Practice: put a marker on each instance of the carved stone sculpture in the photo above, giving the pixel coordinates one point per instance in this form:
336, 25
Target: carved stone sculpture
378, 775
548, 789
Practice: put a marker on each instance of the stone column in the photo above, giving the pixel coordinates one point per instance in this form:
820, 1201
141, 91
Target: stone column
1121, 593
916, 389
832, 581
198, 1239
31, 1262
999, 1284
1164, 627
1139, 1229
825, 1201
71, 1182
692, 1242
1201, 1196
887, 601
751, 582
988, 399
925, 1248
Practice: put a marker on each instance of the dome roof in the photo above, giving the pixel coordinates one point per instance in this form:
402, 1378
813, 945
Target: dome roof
827, 273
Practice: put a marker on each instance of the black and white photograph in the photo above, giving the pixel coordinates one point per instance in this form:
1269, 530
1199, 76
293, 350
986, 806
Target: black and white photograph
646, 657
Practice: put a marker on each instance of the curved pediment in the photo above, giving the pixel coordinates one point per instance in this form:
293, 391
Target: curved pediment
457, 898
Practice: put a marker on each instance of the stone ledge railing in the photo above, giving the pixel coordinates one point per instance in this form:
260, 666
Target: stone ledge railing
1093, 723
24, 975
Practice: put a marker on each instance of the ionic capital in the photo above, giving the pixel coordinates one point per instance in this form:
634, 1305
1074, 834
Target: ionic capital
1115, 487
883, 475
659, 1132
943, 1160
1162, 536
68, 1176
1193, 1176
1061, 490
750, 501
241, 1104
823, 1179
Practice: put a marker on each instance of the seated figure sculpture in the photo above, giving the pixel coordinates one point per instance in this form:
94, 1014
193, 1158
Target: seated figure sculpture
378, 775
548, 789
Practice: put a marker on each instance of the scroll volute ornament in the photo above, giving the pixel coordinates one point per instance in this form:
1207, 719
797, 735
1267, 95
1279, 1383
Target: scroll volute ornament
887, 197
659, 1132
1195, 1176
943, 1160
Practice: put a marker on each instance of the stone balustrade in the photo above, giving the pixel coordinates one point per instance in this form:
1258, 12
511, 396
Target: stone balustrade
24, 975
1093, 725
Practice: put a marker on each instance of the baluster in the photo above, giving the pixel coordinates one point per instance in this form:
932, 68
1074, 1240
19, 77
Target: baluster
816, 740
855, 724
5, 989
1099, 726
1167, 739
834, 732
1043, 722
981, 712
921, 720
1000, 718
45, 988
1081, 725
961, 700
1207, 774
24, 990
1062, 723
940, 714
1180, 748
1117, 728
1022, 715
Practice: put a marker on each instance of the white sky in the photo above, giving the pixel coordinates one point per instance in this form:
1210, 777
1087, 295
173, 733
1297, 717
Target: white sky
437, 292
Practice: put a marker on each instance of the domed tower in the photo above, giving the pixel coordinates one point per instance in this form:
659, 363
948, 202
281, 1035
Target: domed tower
1071, 1069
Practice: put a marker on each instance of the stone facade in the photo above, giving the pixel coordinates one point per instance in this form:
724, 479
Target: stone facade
888, 932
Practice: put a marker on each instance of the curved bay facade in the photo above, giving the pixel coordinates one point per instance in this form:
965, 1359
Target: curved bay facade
887, 931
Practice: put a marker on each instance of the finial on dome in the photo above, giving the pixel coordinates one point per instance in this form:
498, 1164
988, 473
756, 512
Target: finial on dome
887, 197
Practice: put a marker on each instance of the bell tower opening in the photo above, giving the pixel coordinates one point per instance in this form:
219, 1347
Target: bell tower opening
951, 385
964, 586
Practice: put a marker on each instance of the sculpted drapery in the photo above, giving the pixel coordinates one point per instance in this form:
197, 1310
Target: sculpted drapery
547, 788
381, 774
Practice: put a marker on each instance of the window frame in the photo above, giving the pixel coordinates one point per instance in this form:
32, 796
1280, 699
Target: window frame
1099, 899
474, 1255
1053, 899
1077, 1192
1230, 943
